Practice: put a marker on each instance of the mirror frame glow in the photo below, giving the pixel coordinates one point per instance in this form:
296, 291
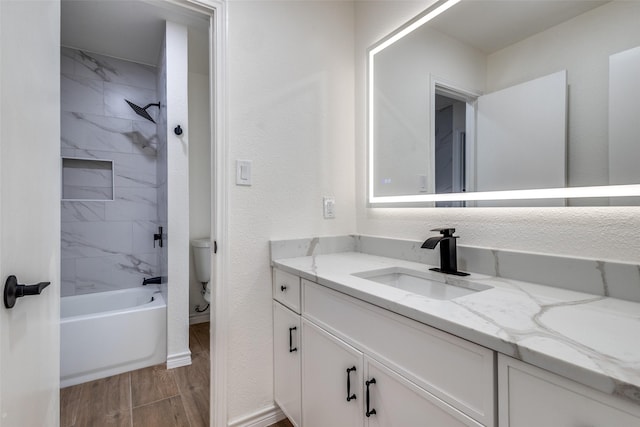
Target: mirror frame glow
630, 190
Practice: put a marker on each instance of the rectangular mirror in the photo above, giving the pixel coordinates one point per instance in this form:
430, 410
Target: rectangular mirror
507, 103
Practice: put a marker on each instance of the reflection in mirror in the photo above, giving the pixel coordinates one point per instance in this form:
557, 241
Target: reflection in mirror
489, 98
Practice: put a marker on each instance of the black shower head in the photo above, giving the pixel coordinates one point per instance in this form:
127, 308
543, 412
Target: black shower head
142, 111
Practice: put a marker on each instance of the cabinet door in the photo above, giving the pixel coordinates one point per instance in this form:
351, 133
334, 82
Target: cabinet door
400, 403
286, 361
532, 397
326, 382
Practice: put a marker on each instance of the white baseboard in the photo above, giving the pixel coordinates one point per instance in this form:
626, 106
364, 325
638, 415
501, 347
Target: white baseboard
199, 318
177, 360
263, 418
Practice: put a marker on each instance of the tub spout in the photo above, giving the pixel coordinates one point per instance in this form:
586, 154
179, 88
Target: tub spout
151, 281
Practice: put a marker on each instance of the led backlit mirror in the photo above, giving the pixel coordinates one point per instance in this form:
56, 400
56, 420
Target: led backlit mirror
508, 103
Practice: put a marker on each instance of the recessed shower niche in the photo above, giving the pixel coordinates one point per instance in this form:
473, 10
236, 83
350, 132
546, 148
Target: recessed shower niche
87, 179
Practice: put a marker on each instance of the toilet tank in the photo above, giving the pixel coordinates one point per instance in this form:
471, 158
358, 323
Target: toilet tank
202, 259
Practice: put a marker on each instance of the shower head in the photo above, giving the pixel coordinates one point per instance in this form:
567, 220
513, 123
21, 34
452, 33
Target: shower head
142, 111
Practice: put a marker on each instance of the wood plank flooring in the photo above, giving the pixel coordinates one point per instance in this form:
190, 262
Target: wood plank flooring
149, 397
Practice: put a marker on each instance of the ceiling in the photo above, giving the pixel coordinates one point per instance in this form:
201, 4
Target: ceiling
491, 25
132, 29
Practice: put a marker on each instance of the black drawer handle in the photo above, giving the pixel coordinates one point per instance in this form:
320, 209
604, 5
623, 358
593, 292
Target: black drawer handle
283, 288
291, 348
372, 411
13, 290
350, 396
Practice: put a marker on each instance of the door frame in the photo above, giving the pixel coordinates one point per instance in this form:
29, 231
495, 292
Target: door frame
441, 86
216, 11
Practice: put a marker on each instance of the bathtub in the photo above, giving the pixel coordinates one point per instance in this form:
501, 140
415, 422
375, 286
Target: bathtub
108, 333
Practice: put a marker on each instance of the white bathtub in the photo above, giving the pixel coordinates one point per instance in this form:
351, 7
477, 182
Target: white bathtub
108, 333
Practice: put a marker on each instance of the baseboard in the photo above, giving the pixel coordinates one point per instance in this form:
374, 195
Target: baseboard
177, 360
263, 418
199, 318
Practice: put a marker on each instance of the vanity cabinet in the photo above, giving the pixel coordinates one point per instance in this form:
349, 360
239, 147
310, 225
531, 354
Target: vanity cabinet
532, 397
286, 346
398, 402
416, 373
442, 376
332, 380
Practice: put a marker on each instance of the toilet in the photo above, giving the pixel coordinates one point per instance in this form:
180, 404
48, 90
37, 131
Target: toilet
202, 262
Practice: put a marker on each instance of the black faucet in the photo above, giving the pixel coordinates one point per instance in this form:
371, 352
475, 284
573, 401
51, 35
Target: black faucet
152, 281
448, 252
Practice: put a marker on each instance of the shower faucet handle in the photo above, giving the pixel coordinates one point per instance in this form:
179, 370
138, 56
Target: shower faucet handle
158, 236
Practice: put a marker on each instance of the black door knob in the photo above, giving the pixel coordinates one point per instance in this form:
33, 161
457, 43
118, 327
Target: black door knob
13, 290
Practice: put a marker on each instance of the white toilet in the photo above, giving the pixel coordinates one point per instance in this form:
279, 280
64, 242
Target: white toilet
202, 262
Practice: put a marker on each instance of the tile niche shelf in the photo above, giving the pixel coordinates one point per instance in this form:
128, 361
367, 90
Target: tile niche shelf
87, 179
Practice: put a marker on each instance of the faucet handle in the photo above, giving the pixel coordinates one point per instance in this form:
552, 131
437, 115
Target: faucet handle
446, 232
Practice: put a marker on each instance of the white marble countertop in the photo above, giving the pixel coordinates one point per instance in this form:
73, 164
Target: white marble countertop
590, 339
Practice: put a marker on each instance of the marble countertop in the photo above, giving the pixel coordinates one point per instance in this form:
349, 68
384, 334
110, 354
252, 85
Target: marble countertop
590, 339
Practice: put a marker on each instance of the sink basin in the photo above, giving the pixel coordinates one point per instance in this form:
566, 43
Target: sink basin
421, 283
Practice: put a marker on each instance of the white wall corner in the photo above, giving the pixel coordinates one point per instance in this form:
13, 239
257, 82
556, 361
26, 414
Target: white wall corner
178, 360
177, 190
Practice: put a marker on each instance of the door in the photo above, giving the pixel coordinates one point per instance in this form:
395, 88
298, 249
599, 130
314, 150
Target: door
30, 210
398, 402
521, 136
286, 361
331, 387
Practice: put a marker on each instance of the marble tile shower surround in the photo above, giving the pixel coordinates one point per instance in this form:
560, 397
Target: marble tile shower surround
108, 245
162, 172
596, 277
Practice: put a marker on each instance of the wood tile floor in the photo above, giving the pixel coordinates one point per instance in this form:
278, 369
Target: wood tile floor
149, 397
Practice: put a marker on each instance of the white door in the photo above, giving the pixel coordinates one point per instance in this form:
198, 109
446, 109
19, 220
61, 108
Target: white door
30, 210
328, 379
521, 136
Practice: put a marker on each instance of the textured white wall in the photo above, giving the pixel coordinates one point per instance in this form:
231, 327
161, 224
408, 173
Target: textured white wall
603, 232
290, 77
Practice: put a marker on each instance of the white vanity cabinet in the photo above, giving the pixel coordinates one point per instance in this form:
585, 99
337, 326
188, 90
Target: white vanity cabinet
532, 397
286, 345
332, 380
422, 373
325, 353
341, 386
398, 402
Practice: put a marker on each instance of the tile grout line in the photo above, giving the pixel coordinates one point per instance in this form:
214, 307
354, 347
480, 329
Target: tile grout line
156, 401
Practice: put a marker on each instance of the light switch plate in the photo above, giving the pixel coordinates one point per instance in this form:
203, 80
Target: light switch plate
243, 172
329, 207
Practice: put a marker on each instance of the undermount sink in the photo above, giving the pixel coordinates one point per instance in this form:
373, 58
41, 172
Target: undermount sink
421, 283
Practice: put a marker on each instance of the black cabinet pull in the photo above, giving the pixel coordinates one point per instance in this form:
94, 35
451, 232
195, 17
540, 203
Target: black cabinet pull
350, 396
372, 411
283, 288
291, 348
